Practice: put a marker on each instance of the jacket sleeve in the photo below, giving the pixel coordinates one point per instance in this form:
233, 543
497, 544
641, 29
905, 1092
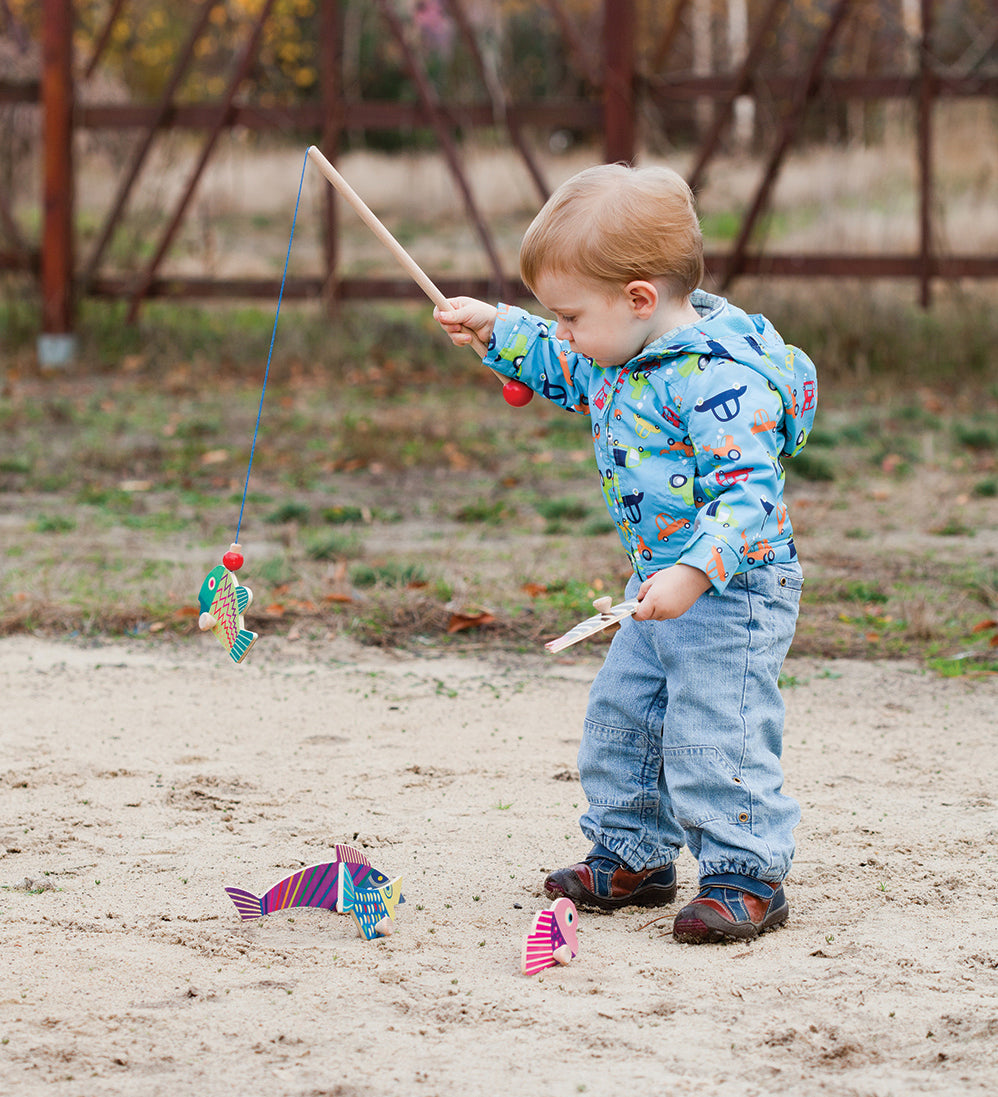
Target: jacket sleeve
523, 347
734, 419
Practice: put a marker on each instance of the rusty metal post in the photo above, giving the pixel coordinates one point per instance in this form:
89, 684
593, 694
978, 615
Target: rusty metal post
926, 93
56, 344
331, 84
619, 131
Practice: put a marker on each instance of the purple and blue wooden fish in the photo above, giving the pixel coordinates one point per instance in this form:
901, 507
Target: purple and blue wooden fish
315, 886
373, 908
553, 939
222, 602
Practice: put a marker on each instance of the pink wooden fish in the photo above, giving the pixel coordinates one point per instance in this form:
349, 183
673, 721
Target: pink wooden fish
553, 939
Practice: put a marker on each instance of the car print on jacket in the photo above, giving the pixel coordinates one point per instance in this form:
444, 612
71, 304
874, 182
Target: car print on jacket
689, 436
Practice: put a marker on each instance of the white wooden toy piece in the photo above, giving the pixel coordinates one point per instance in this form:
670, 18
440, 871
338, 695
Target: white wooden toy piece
609, 614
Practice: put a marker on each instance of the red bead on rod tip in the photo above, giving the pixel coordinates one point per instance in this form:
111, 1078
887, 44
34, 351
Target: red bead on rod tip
233, 559
517, 394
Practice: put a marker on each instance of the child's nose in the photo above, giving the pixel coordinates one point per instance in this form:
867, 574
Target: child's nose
563, 332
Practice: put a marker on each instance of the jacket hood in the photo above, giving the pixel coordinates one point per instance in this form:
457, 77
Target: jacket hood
726, 331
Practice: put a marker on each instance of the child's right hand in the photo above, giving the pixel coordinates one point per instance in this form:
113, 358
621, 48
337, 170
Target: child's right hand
467, 316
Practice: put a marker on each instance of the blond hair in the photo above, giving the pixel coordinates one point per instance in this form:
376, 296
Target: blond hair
615, 224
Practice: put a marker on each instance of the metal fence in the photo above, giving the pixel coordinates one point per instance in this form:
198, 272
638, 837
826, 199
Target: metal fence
636, 69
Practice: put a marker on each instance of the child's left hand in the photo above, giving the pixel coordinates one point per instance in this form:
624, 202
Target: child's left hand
670, 593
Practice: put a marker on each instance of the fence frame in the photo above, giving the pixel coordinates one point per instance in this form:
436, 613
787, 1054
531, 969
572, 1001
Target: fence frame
619, 88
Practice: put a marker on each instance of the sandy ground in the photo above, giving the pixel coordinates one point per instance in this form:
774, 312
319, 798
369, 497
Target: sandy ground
137, 781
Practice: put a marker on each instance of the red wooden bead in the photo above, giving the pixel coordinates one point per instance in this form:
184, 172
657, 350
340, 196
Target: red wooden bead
517, 394
233, 560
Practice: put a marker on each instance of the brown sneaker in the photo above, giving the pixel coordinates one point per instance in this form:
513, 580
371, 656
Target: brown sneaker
731, 907
604, 883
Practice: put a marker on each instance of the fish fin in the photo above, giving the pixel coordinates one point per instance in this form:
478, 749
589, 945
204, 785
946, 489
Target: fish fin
372, 906
562, 954
354, 856
243, 642
248, 904
243, 598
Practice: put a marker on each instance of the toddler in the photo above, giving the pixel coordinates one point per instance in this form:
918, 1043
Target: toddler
693, 404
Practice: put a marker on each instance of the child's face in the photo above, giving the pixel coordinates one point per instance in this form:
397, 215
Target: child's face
595, 320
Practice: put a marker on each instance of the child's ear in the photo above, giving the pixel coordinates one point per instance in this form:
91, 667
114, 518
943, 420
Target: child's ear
643, 297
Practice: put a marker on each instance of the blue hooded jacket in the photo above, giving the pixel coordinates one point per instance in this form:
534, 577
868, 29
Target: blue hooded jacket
689, 435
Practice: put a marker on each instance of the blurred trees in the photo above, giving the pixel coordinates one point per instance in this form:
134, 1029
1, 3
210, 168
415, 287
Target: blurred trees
523, 42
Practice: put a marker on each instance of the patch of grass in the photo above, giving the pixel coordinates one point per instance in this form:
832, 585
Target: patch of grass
109, 499
278, 571
17, 463
860, 591
485, 513
54, 523
598, 525
976, 436
290, 511
986, 489
811, 466
562, 515
344, 515
954, 527
391, 574
567, 510
332, 546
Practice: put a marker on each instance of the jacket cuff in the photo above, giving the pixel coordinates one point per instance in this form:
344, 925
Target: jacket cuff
714, 557
511, 321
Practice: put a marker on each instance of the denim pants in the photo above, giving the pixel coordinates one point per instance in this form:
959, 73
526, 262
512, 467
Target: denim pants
684, 732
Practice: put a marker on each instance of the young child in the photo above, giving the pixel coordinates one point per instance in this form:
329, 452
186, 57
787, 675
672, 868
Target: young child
693, 405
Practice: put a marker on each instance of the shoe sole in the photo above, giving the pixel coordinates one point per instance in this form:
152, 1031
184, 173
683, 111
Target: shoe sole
709, 927
654, 896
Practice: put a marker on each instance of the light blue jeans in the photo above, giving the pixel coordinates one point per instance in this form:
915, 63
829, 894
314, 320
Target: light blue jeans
684, 732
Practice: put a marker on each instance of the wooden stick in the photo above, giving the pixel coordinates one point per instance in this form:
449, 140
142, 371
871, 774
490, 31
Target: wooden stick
404, 259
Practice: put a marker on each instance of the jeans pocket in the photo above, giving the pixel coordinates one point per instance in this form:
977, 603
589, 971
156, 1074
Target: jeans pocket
789, 582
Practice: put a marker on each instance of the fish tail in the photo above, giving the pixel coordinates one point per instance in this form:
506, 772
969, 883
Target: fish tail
248, 904
243, 642
537, 951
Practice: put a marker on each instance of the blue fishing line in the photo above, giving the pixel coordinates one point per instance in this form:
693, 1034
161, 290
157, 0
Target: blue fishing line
270, 353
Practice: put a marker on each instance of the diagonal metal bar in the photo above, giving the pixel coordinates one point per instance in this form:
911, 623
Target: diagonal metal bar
103, 38
242, 71
162, 110
788, 131
578, 49
743, 80
665, 43
494, 87
435, 115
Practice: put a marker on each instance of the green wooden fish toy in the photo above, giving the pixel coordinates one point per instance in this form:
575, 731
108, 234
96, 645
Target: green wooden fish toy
223, 602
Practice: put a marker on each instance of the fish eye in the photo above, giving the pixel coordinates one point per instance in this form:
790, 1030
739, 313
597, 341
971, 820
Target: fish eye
211, 584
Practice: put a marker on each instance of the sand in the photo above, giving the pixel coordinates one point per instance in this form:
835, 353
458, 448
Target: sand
137, 781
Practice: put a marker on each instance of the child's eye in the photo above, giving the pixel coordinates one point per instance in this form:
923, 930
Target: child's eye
568, 319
